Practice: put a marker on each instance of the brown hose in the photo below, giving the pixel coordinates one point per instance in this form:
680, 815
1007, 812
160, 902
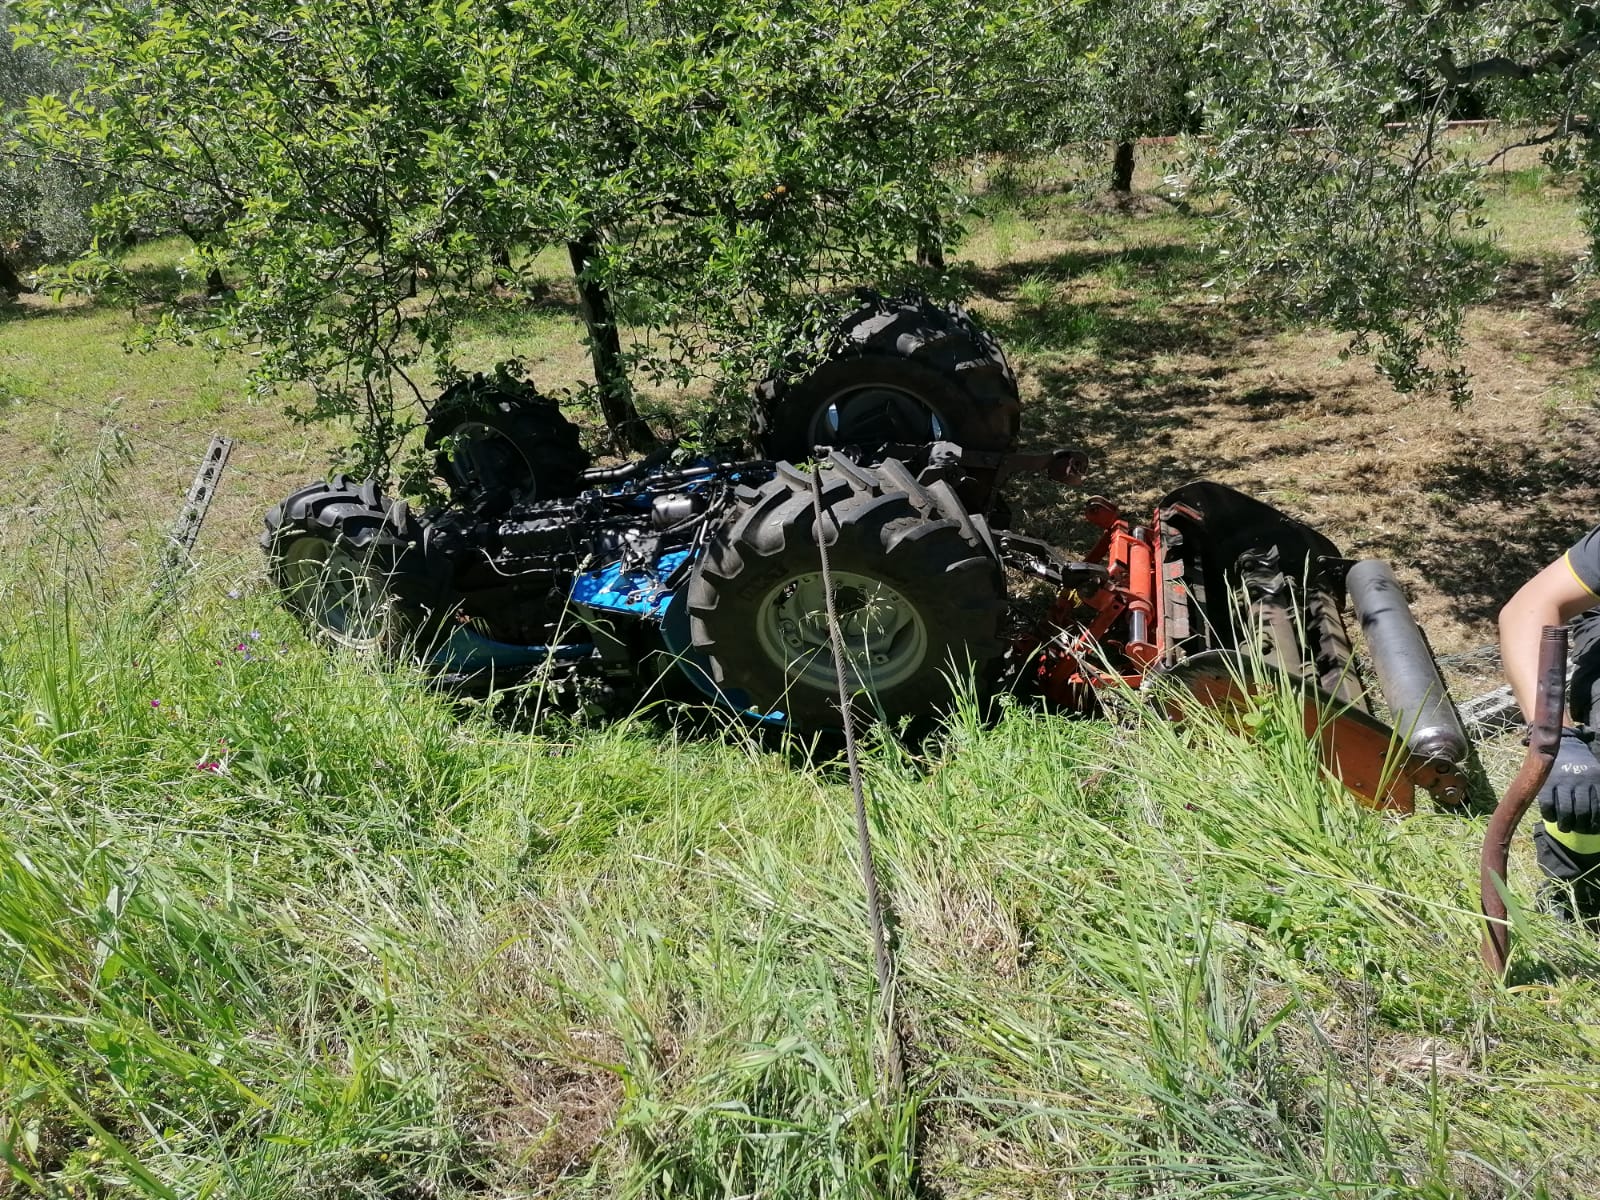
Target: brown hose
1544, 739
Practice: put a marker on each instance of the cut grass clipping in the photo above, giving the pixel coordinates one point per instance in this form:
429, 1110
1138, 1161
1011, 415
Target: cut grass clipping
275, 922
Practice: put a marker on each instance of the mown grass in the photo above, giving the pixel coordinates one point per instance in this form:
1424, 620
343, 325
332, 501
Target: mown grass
278, 923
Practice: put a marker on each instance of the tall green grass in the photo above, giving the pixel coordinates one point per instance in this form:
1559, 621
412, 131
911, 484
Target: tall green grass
275, 922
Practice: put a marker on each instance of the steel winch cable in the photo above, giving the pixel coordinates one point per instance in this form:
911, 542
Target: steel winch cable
884, 963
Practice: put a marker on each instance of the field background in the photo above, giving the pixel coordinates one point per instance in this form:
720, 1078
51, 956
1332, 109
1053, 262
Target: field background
278, 924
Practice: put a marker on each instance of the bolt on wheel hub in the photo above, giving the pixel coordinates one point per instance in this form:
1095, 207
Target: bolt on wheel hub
885, 640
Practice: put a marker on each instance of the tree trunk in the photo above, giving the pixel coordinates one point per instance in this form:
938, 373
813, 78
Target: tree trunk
1122, 168
10, 282
930, 246
605, 346
216, 285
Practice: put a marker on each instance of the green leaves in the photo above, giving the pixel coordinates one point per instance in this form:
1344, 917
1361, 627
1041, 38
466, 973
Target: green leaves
44, 201
1344, 199
352, 169
357, 172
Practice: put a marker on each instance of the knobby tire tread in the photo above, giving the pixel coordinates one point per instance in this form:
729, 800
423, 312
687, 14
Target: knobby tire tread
880, 524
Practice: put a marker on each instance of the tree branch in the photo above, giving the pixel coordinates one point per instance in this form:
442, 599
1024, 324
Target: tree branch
1503, 67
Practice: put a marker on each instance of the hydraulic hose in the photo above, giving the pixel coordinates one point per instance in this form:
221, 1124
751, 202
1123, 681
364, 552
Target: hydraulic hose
1544, 739
627, 471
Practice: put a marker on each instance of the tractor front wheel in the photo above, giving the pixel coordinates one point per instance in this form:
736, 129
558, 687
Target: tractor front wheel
497, 442
350, 564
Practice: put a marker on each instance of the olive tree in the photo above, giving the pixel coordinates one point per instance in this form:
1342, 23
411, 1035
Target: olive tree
1343, 200
714, 166
1132, 75
43, 205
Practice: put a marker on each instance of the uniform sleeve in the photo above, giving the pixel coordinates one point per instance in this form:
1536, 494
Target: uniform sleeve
1584, 560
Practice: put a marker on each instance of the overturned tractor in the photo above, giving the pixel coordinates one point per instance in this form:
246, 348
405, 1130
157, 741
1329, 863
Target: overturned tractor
706, 572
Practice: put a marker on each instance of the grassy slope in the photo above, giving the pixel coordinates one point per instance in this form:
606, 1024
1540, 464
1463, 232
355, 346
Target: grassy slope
275, 924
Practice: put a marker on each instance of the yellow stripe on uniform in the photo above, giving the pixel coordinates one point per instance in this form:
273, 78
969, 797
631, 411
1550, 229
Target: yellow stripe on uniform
1567, 558
1578, 843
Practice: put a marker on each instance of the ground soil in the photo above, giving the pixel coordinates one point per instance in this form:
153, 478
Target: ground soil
1466, 502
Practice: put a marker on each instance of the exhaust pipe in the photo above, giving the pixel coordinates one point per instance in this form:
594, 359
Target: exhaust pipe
1412, 686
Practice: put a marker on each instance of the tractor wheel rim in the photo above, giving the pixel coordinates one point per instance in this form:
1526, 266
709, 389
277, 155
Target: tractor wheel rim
885, 640
875, 415
485, 454
338, 591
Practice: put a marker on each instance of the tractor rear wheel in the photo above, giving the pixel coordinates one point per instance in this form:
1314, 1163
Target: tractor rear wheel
350, 564
896, 370
919, 592
498, 442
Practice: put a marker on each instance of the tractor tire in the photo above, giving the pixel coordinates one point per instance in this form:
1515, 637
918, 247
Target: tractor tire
904, 371
917, 582
350, 564
497, 443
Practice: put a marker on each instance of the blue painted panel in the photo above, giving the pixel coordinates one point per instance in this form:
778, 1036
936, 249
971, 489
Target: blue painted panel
693, 662
467, 650
638, 594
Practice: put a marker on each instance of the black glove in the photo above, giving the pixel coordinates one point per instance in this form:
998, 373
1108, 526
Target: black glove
1570, 798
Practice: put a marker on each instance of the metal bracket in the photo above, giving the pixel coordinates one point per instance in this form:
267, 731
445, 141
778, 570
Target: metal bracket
1038, 558
1066, 465
186, 529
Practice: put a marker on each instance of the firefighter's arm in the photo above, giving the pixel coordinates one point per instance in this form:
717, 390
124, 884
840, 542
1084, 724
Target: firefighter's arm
1552, 597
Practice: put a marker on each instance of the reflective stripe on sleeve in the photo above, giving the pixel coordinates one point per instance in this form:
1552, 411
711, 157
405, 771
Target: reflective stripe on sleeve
1578, 843
1567, 558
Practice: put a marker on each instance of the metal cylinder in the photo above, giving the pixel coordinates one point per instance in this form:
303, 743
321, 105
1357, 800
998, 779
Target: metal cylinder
1419, 705
674, 508
1141, 587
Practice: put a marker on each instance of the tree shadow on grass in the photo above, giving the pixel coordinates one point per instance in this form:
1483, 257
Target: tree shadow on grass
1502, 511
148, 287
1131, 373
138, 286
531, 297
1539, 310
1162, 386
35, 306
1137, 302
1166, 263
1478, 522
1142, 439
1524, 282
